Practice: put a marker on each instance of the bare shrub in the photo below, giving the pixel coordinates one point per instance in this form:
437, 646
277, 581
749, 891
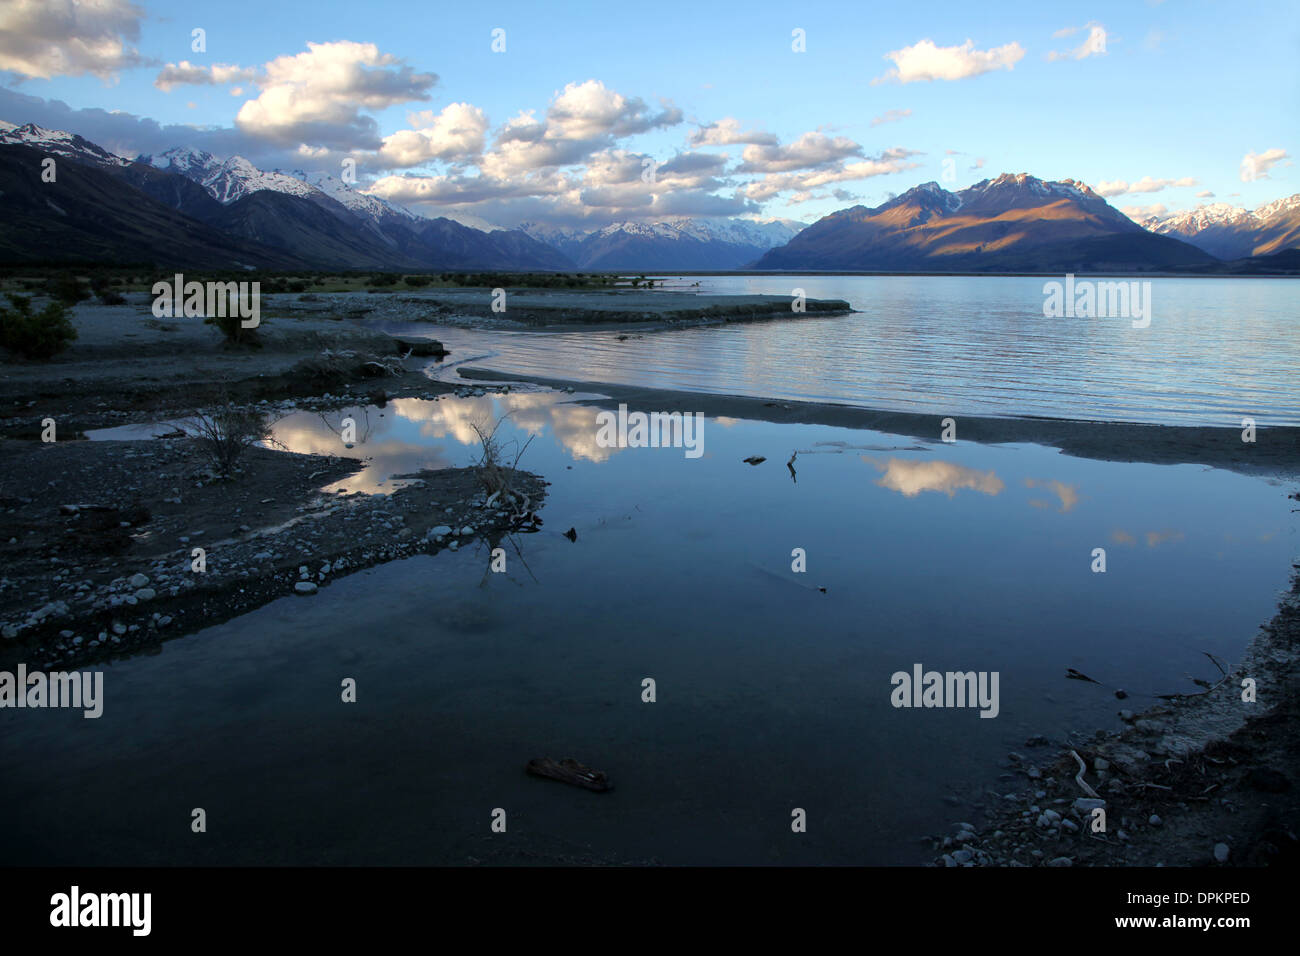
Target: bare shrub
493, 472
224, 434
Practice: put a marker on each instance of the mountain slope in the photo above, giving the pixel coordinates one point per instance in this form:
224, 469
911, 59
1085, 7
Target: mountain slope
1012, 223
301, 227
88, 214
59, 143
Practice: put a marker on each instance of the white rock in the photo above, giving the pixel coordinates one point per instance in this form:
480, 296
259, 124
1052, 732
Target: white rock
139, 580
304, 587
1221, 852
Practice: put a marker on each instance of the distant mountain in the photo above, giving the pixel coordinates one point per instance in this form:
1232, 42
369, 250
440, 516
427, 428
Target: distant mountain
59, 143
1231, 232
498, 249
676, 244
1014, 223
250, 216
370, 232
90, 213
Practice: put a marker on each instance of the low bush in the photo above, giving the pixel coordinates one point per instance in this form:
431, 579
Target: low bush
36, 335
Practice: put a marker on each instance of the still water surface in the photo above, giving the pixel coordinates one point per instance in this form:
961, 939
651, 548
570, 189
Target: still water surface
771, 694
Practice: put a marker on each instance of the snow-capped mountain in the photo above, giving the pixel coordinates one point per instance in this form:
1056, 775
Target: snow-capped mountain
229, 180
355, 201
208, 210
1234, 232
1014, 222
679, 243
59, 143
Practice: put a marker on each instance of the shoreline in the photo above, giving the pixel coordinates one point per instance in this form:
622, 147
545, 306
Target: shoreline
1202, 780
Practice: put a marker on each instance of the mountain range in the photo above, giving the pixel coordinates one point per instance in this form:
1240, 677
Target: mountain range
184, 206
674, 244
1230, 232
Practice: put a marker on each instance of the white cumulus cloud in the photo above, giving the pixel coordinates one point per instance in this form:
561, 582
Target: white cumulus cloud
47, 38
924, 61
317, 97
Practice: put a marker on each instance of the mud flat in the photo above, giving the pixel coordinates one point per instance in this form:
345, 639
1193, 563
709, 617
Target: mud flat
541, 310
97, 538
125, 362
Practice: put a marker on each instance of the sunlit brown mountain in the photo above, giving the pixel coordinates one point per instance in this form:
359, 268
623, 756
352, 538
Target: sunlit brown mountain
1013, 223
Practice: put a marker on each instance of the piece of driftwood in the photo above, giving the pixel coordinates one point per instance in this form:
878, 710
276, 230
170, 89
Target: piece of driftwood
570, 771
1072, 674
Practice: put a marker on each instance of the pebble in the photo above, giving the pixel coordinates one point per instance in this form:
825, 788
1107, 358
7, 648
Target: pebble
1154, 820
145, 594
1061, 861
139, 580
962, 856
305, 587
1088, 804
1221, 852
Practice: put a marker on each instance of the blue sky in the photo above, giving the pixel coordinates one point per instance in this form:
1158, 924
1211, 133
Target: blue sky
1152, 104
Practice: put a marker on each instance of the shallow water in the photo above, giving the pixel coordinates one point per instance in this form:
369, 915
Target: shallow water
1216, 350
771, 694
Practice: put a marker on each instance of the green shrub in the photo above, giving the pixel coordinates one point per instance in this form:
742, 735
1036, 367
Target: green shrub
37, 335
416, 281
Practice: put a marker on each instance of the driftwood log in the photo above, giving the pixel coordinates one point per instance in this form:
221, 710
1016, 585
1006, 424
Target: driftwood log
570, 771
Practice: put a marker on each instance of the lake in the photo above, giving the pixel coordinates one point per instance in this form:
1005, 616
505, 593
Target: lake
772, 686
1216, 350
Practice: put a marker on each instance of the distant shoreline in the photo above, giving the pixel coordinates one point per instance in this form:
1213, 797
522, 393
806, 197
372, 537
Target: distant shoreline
968, 275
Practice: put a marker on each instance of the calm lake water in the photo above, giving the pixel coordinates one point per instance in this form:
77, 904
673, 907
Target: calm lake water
772, 694
1216, 350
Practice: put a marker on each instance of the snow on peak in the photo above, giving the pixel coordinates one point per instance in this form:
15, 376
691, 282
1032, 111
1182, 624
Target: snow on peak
181, 159
1286, 204
60, 143
356, 201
